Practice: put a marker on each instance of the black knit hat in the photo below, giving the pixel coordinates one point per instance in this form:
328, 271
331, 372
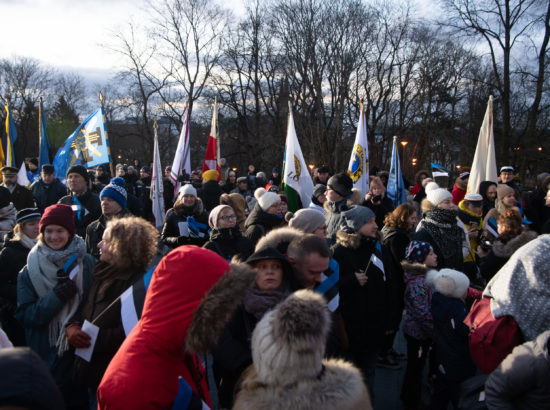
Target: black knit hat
341, 183
79, 169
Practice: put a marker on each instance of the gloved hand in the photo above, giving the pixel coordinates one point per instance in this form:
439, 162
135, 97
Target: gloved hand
183, 240
65, 289
77, 337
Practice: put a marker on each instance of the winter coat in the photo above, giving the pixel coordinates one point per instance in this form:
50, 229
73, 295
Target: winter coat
522, 380
7, 221
459, 190
259, 223
229, 242
333, 217
94, 232
380, 210
536, 210
21, 197
111, 331
172, 236
47, 194
184, 312
92, 210
365, 309
469, 219
143, 193
417, 321
210, 194
501, 251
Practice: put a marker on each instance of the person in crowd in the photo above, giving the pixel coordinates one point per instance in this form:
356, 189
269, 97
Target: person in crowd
459, 188
251, 176
284, 204
261, 179
187, 222
211, 191
511, 237
230, 183
440, 228
196, 180
275, 178
308, 221
20, 196
265, 216
289, 371
126, 249
536, 210
338, 191
113, 205
226, 238
418, 178
184, 313
398, 227
522, 380
421, 194
364, 288
8, 215
488, 190
506, 199
322, 176
103, 174
454, 364
235, 201
224, 170
384, 177
506, 176
242, 187
33, 173
318, 198
168, 188
417, 322
85, 204
356, 197
50, 290
470, 211
13, 258
309, 256
47, 190
121, 170
546, 226
143, 188
233, 353
377, 200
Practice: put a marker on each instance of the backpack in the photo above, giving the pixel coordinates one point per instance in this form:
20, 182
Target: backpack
490, 339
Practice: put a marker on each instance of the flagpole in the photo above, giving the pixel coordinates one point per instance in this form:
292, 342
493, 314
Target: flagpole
40, 131
106, 135
395, 199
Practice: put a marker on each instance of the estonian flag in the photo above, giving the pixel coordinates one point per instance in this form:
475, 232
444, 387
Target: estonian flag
132, 300
329, 286
492, 227
439, 171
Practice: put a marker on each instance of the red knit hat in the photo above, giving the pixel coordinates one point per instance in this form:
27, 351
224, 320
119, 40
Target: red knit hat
58, 214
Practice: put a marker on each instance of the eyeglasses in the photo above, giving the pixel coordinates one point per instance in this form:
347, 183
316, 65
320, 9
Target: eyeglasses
228, 217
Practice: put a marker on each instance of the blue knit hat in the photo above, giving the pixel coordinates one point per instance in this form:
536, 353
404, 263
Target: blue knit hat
417, 251
115, 191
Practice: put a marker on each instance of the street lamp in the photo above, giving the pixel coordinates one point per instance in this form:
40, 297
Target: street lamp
404, 144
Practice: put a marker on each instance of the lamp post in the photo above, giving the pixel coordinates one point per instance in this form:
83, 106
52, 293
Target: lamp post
403, 162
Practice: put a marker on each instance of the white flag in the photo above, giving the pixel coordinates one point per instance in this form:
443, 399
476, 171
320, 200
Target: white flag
484, 166
182, 159
157, 188
22, 176
297, 183
358, 168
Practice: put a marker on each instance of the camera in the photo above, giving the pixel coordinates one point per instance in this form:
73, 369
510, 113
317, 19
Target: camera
485, 243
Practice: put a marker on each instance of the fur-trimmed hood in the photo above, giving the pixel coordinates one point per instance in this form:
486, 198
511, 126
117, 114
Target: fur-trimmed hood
198, 210
279, 239
414, 269
506, 249
352, 240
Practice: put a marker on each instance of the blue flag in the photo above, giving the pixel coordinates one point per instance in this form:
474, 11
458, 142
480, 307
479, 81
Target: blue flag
396, 187
44, 143
87, 146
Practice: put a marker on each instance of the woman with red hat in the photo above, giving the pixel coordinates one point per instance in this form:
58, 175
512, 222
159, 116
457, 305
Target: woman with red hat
49, 291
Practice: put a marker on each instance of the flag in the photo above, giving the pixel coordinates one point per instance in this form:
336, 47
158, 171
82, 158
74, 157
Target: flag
297, 183
182, 158
87, 146
492, 227
44, 143
484, 166
358, 168
396, 187
131, 302
157, 188
22, 178
211, 157
439, 171
11, 137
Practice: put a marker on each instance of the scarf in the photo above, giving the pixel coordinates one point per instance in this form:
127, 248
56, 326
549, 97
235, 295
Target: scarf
257, 302
27, 242
442, 226
43, 264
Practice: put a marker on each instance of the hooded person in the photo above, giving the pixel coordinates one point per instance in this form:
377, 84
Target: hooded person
289, 371
265, 216
237, 202
488, 190
211, 191
184, 312
338, 192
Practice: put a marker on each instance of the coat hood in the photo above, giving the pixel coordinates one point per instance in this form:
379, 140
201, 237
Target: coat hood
279, 239
353, 240
180, 211
414, 269
506, 249
259, 217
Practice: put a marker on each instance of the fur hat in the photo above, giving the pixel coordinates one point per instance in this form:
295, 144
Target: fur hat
80, 170
266, 199
306, 220
449, 282
353, 219
187, 189
115, 191
438, 195
214, 215
210, 175
417, 251
504, 190
292, 336
58, 214
340, 183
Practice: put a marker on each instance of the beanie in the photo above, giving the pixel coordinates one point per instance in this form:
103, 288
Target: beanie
48, 169
307, 220
354, 218
451, 283
430, 186
319, 189
187, 189
438, 195
214, 215
417, 251
266, 199
210, 175
80, 170
341, 183
58, 214
28, 214
115, 191
504, 190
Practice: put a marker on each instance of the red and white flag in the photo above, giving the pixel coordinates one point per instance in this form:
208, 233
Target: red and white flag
182, 159
211, 156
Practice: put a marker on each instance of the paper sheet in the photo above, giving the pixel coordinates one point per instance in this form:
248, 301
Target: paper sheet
92, 330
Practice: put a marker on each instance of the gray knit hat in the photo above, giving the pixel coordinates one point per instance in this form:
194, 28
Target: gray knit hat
355, 218
307, 220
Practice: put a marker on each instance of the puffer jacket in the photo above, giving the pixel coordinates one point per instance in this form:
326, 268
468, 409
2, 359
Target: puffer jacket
417, 321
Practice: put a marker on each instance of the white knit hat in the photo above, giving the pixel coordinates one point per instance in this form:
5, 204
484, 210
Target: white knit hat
430, 186
187, 189
438, 195
451, 283
266, 199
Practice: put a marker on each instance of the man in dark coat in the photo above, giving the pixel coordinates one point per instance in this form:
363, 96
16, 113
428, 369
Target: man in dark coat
85, 204
143, 191
21, 197
48, 189
211, 191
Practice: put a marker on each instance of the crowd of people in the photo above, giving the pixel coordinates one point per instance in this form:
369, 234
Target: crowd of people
238, 303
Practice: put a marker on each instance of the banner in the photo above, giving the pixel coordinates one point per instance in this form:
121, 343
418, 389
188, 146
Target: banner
157, 188
358, 168
396, 187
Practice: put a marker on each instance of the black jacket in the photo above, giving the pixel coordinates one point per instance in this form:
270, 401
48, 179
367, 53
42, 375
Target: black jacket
259, 223
47, 194
210, 194
380, 210
229, 242
92, 210
94, 232
171, 235
22, 197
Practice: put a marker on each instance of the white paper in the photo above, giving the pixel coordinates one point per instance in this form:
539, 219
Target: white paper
482, 395
92, 330
73, 272
184, 229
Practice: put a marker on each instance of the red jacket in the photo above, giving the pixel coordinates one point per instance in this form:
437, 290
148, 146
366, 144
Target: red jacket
144, 372
458, 194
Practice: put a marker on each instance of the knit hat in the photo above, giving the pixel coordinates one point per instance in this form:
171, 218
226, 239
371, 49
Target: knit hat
187, 189
504, 190
438, 195
80, 170
341, 183
48, 169
275, 170
242, 179
284, 198
146, 170
116, 191
266, 199
306, 220
417, 251
5, 197
464, 175
58, 214
451, 283
28, 214
210, 175
291, 338
354, 218
430, 186
319, 189
214, 215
